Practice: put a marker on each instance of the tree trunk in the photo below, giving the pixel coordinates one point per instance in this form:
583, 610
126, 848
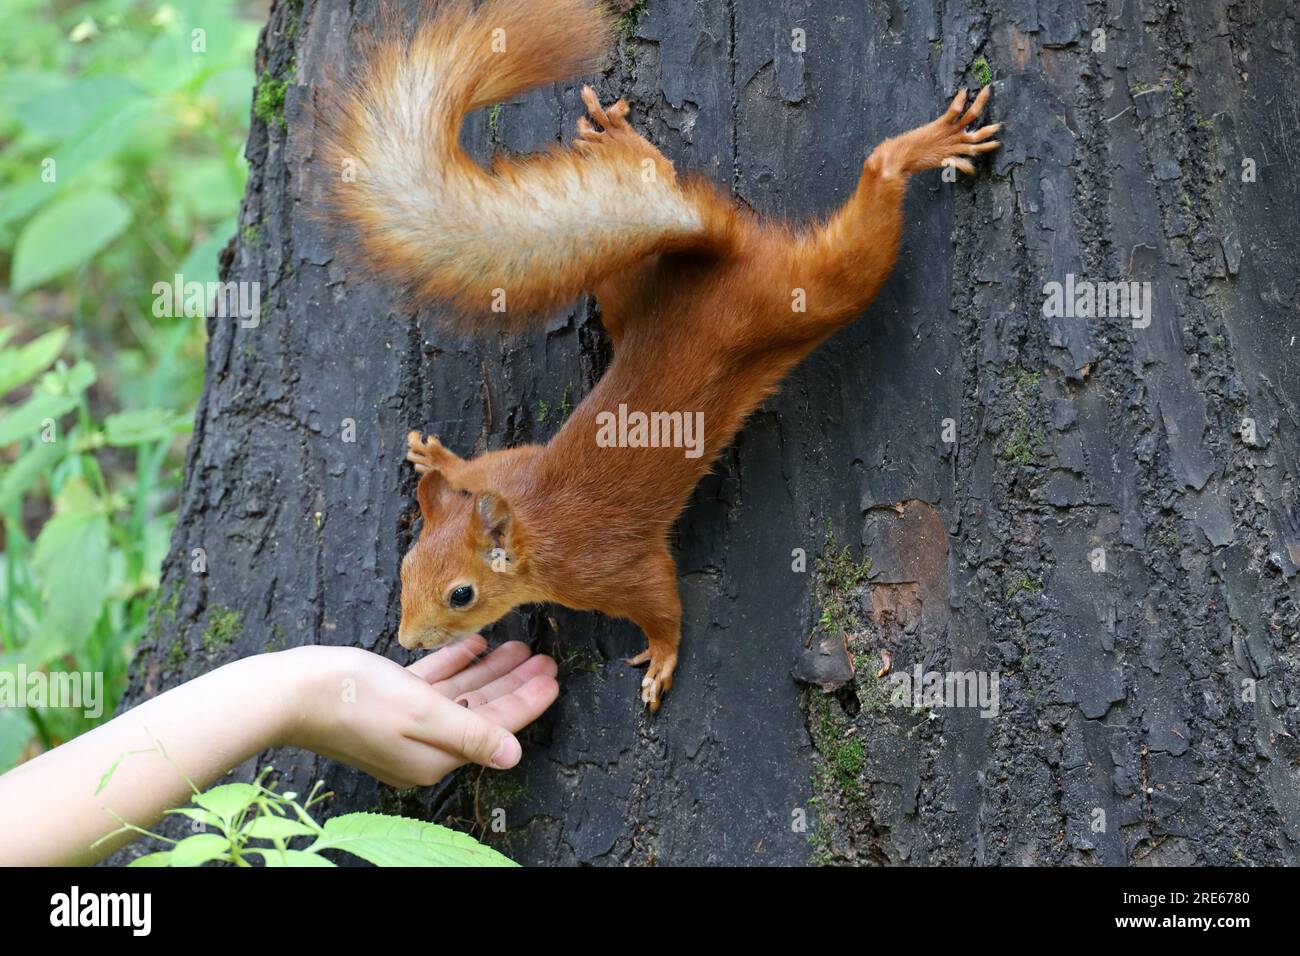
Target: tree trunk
1091, 510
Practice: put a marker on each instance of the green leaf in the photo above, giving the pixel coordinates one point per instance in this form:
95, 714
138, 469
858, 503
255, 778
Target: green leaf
15, 732
59, 110
20, 365
76, 498
71, 563
400, 841
274, 857
277, 828
198, 849
29, 417
163, 858
101, 140
62, 380
98, 142
207, 818
18, 86
65, 235
208, 188
31, 465
42, 648
140, 426
228, 800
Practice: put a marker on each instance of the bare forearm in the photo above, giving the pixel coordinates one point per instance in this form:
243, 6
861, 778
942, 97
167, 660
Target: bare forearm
197, 731
397, 723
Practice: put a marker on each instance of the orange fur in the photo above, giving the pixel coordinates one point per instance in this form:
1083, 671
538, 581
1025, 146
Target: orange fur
702, 318
529, 236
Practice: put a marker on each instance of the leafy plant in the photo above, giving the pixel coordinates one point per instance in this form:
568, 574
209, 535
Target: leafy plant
123, 124
76, 595
240, 823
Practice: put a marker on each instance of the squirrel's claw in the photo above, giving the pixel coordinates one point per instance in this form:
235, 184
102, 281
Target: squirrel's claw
984, 132
425, 454
612, 121
976, 108
970, 143
946, 141
658, 678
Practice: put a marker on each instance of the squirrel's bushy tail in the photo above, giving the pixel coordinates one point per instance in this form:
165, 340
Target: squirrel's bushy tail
528, 236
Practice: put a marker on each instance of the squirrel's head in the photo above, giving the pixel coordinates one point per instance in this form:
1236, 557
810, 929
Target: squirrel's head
467, 568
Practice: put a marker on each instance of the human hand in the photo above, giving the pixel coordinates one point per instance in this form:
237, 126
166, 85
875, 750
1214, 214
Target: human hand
411, 726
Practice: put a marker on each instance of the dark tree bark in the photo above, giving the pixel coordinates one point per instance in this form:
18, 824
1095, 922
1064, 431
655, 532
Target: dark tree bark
1147, 710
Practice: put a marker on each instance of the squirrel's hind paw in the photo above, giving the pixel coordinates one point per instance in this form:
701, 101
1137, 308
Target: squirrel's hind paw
946, 141
613, 121
425, 454
952, 141
658, 678
614, 128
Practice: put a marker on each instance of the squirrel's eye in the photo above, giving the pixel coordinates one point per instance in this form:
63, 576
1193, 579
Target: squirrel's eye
461, 596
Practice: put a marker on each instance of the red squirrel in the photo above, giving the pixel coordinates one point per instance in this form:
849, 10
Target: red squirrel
707, 307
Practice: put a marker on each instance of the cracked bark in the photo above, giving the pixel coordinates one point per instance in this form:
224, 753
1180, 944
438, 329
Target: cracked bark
1124, 694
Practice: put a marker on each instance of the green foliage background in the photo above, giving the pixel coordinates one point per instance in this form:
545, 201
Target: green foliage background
122, 127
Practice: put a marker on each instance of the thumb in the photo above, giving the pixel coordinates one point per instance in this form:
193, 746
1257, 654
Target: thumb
476, 739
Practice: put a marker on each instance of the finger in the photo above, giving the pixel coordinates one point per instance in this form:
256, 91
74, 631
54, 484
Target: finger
984, 132
466, 734
976, 108
522, 706
618, 111
538, 664
585, 128
963, 164
443, 663
954, 108
501, 661
970, 149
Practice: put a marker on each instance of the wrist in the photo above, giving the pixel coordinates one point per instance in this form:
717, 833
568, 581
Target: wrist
300, 682
286, 682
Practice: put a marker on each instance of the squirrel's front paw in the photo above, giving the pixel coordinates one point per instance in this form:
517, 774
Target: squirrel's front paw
658, 677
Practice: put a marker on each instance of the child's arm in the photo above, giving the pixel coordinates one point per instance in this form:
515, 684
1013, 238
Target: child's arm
402, 725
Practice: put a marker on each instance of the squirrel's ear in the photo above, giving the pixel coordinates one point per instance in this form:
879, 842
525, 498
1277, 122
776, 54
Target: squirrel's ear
500, 534
494, 514
432, 492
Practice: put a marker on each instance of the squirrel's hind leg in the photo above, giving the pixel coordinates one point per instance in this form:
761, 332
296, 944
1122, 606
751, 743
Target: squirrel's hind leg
661, 655
843, 264
657, 610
